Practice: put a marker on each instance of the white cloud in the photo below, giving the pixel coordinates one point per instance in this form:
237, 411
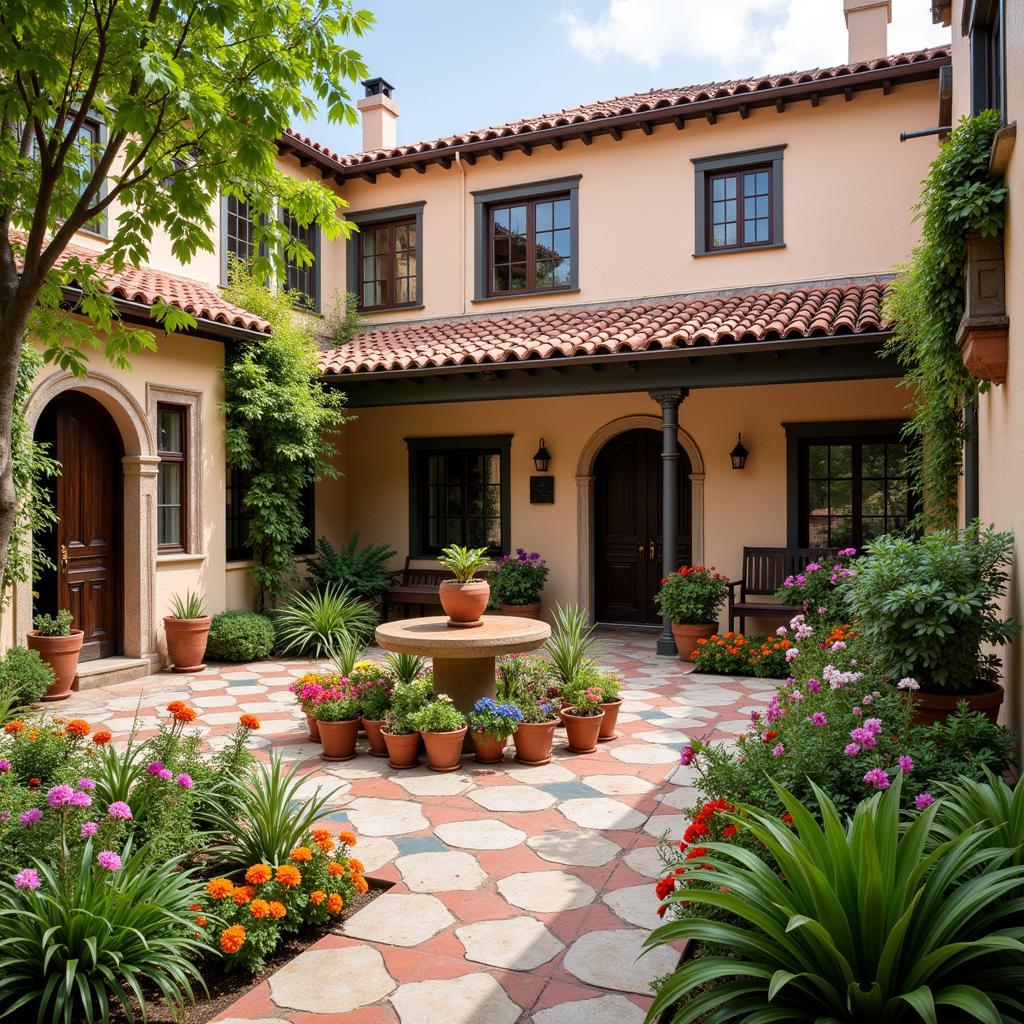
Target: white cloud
738, 37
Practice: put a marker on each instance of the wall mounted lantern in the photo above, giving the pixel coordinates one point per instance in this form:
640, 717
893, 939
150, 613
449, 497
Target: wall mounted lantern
739, 454
542, 458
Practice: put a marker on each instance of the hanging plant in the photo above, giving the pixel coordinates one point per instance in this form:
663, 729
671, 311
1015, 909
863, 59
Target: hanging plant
926, 303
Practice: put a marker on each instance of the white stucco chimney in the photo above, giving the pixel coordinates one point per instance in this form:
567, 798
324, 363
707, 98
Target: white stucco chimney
867, 26
379, 115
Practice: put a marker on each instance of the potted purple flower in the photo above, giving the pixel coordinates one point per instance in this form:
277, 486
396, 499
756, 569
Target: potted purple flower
517, 581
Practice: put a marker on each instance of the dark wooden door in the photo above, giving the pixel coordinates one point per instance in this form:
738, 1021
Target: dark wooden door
627, 526
88, 535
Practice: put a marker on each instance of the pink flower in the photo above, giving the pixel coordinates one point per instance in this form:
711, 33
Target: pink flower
923, 801
906, 763
863, 737
792, 654
818, 719
185, 781
89, 829
109, 860
778, 750
814, 686
855, 711
873, 725
86, 784
851, 750
877, 778
796, 696
906, 683
119, 809
27, 878
81, 800
30, 817
154, 768
5, 766
781, 631
688, 755
166, 774
59, 796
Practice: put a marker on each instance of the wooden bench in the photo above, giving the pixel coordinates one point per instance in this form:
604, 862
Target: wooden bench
764, 570
416, 586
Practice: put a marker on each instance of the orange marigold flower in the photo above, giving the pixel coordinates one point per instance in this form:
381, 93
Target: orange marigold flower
201, 921
335, 903
277, 909
362, 886
242, 894
78, 727
301, 854
259, 908
258, 874
194, 906
356, 866
249, 721
232, 939
14, 727
335, 869
185, 715
347, 838
101, 737
176, 705
219, 888
288, 876
325, 845
317, 896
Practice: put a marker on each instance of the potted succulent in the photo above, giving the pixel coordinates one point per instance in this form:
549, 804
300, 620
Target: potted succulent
187, 628
443, 728
490, 725
464, 598
582, 715
516, 583
374, 702
400, 735
336, 711
525, 682
59, 646
691, 598
926, 607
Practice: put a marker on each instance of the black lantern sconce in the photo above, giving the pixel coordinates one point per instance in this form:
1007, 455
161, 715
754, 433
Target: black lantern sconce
739, 454
542, 458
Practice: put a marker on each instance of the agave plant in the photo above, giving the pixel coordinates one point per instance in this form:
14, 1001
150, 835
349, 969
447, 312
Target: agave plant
190, 605
862, 922
570, 644
316, 622
405, 667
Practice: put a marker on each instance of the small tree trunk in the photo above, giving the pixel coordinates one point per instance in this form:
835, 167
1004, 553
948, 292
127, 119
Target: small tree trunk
12, 332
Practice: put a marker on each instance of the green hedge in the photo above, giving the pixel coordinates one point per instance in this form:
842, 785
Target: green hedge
240, 636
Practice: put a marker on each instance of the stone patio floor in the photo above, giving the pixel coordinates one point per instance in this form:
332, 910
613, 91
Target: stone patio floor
520, 894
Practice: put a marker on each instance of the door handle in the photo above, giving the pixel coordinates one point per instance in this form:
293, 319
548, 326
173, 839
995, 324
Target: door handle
63, 558
650, 552
640, 551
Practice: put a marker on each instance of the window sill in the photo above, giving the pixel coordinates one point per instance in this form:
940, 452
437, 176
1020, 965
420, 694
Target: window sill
525, 295
389, 309
180, 558
242, 563
739, 248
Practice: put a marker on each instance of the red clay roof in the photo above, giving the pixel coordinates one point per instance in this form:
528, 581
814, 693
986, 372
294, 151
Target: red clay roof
636, 104
797, 313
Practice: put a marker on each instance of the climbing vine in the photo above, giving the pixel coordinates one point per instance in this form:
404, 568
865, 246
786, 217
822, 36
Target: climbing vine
926, 303
281, 421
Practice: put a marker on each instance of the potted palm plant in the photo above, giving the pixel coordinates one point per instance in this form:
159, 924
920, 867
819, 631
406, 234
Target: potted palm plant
517, 581
443, 728
490, 725
582, 715
59, 646
187, 628
400, 735
691, 598
336, 710
465, 597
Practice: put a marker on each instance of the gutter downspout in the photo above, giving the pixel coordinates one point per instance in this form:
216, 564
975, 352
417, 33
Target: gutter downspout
462, 231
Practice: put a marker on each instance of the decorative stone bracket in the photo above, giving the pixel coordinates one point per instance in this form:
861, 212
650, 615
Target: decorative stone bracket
984, 331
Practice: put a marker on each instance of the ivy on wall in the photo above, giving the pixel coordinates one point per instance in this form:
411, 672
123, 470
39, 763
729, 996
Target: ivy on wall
926, 303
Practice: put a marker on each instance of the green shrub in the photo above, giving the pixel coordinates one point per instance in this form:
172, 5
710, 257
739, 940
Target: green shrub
316, 622
24, 677
48, 625
439, 715
240, 636
375, 698
692, 595
406, 700
464, 563
362, 571
406, 668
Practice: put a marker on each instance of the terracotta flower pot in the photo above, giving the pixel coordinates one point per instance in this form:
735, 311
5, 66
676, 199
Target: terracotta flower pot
488, 749
582, 730
403, 751
464, 603
314, 728
533, 742
444, 749
339, 739
378, 748
523, 611
687, 634
61, 654
611, 718
937, 707
186, 642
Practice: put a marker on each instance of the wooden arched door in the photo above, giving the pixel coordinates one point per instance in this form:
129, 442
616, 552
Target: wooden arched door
627, 526
85, 544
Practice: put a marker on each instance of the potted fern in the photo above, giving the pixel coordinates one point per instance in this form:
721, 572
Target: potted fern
187, 628
443, 728
59, 646
465, 597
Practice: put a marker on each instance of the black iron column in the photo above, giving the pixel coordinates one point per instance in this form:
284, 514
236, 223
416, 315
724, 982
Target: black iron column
669, 400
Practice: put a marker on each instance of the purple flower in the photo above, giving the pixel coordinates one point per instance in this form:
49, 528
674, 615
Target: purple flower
688, 755
27, 878
873, 725
109, 860
814, 686
863, 737
86, 784
812, 567
30, 817
4, 815
59, 796
818, 719
906, 763
119, 809
5, 765
154, 768
185, 781
923, 801
166, 774
847, 552
781, 631
878, 778
851, 750
823, 611
80, 800
89, 828
778, 750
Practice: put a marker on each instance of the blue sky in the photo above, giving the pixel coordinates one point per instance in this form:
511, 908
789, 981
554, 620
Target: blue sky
459, 65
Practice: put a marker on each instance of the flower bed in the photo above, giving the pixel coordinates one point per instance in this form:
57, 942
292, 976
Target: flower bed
734, 654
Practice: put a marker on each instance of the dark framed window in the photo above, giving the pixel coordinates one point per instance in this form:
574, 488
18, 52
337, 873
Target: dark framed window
238, 234
738, 202
385, 258
237, 517
849, 483
526, 239
303, 282
983, 24
172, 477
92, 135
459, 493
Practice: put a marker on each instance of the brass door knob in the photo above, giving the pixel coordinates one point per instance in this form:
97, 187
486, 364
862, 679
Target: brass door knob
651, 551
63, 558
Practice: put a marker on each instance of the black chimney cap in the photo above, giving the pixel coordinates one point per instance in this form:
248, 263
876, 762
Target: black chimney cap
378, 87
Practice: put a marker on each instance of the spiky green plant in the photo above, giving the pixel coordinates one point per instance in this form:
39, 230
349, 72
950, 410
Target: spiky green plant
405, 667
190, 605
990, 806
571, 642
316, 622
345, 653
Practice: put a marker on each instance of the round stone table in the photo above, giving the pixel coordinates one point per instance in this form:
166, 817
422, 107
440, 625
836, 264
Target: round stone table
463, 658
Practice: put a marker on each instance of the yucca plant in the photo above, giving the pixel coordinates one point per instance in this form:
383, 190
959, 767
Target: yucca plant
345, 653
261, 819
116, 772
991, 806
570, 644
316, 622
859, 923
405, 667
90, 943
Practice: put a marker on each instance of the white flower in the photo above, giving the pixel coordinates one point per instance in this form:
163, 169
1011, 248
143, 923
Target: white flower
908, 684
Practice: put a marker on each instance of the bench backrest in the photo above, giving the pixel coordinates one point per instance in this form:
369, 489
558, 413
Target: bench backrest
764, 569
426, 576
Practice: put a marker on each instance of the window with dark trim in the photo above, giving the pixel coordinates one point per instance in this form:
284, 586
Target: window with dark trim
172, 477
92, 134
237, 517
983, 24
303, 281
239, 240
850, 486
385, 258
738, 201
459, 494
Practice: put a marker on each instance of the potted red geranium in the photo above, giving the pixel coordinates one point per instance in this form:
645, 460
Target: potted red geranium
691, 598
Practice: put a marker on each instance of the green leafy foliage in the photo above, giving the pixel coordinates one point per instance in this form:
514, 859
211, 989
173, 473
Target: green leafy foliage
24, 678
363, 571
317, 621
406, 700
692, 595
866, 921
342, 321
240, 636
406, 668
463, 563
50, 625
281, 421
926, 303
571, 642
519, 578
531, 685
438, 715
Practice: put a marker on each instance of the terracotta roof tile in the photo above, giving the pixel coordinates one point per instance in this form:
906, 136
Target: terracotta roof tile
582, 330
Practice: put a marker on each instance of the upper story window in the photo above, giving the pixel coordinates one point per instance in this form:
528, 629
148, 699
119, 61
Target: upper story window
738, 201
239, 234
91, 138
385, 258
303, 281
983, 24
527, 239
172, 474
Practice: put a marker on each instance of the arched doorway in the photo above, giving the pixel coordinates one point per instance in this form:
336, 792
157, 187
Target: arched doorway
627, 525
85, 545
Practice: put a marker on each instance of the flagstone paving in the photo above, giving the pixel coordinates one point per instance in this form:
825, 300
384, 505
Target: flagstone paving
519, 895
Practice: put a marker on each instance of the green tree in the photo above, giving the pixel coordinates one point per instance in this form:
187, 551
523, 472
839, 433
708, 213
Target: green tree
192, 96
